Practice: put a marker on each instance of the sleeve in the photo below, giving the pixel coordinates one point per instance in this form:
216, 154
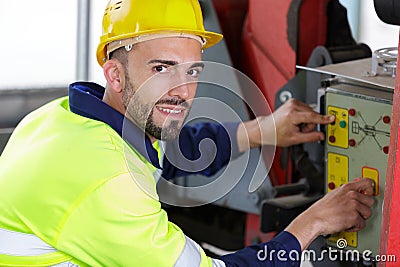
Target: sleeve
203, 148
283, 250
118, 224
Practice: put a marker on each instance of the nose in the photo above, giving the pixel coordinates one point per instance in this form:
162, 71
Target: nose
182, 91
182, 86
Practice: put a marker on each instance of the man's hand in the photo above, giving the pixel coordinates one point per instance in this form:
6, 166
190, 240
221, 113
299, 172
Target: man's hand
343, 209
294, 123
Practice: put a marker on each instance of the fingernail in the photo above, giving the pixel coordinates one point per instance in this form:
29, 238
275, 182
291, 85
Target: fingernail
331, 118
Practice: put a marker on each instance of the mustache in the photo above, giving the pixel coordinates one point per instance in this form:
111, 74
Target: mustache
173, 101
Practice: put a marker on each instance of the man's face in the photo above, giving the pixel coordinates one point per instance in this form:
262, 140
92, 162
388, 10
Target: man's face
160, 84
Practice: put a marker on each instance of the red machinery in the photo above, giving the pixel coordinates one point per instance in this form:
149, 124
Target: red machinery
275, 37
390, 234
270, 51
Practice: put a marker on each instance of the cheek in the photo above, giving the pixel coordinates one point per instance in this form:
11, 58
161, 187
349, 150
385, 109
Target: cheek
192, 92
193, 88
154, 89
148, 94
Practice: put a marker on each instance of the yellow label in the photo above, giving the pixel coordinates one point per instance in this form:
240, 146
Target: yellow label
338, 175
337, 171
338, 131
368, 172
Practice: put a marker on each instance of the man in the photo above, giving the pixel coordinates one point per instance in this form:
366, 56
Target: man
75, 193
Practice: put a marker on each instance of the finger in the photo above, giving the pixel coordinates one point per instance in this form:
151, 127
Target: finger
367, 200
356, 221
307, 137
307, 127
365, 211
364, 185
352, 193
357, 227
312, 117
369, 191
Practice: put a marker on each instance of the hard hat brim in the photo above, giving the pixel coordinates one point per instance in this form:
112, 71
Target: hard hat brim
211, 38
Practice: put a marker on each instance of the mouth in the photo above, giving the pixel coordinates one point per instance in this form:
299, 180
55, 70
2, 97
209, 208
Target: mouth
171, 110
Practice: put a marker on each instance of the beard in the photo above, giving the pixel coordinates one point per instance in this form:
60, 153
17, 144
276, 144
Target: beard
142, 113
171, 128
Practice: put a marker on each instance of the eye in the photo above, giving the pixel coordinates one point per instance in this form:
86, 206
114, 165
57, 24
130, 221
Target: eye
160, 68
194, 72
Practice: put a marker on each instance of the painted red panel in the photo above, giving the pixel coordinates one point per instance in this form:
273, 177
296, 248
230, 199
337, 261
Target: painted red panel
231, 15
390, 234
253, 234
312, 28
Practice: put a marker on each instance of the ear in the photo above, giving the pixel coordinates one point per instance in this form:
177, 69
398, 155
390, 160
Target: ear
114, 74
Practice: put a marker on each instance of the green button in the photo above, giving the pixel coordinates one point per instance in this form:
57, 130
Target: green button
342, 124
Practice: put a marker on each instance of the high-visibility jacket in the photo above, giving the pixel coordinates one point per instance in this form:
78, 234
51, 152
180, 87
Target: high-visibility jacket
74, 193
84, 205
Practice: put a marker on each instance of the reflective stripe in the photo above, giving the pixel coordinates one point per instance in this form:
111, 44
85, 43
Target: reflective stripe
21, 244
218, 263
190, 255
65, 264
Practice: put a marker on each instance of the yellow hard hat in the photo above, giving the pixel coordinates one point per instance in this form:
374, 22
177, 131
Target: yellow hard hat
126, 19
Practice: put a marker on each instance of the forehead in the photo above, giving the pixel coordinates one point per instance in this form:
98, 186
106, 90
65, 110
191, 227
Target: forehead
176, 49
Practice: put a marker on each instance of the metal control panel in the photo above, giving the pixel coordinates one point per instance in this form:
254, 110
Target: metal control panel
357, 146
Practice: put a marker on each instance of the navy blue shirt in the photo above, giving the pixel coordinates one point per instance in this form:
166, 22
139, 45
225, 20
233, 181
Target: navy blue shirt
85, 99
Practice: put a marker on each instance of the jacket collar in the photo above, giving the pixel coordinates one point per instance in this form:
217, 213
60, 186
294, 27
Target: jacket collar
85, 99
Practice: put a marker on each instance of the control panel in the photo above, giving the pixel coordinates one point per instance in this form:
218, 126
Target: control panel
357, 146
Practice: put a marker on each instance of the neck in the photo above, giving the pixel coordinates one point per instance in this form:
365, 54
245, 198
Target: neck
152, 138
119, 106
114, 102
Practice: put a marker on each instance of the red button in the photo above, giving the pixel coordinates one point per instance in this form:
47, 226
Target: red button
386, 119
332, 139
352, 112
352, 142
386, 149
331, 185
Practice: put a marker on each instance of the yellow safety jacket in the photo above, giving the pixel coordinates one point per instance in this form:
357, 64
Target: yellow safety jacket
74, 193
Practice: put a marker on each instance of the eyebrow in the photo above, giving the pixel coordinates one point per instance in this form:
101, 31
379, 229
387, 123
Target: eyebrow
162, 61
173, 63
197, 64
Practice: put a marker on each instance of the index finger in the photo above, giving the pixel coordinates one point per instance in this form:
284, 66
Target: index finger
312, 117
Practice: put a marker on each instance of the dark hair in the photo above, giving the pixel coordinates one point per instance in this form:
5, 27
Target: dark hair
121, 55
